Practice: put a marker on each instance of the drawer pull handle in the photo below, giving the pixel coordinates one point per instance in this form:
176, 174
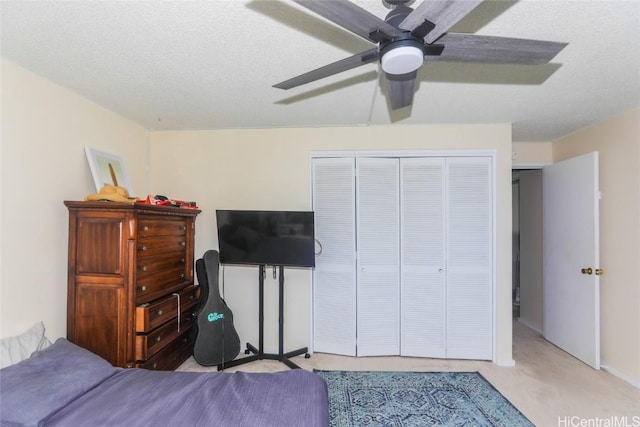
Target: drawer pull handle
158, 338
143, 288
154, 366
183, 243
182, 276
145, 228
182, 260
144, 268
184, 227
144, 248
159, 312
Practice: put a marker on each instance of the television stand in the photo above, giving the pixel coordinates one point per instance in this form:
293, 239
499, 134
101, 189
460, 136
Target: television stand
258, 353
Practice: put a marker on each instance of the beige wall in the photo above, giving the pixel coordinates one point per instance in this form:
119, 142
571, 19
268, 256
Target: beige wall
44, 131
269, 169
531, 248
531, 154
618, 144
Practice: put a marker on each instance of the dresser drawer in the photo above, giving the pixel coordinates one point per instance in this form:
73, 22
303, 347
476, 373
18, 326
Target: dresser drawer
155, 285
170, 357
150, 316
149, 226
189, 298
150, 247
151, 265
158, 276
149, 344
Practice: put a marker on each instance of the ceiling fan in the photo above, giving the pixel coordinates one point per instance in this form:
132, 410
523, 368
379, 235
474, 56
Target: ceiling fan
407, 37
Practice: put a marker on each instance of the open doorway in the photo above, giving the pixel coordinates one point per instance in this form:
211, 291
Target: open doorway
527, 290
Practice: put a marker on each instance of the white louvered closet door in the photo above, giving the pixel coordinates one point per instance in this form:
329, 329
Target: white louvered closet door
334, 277
423, 302
378, 281
469, 255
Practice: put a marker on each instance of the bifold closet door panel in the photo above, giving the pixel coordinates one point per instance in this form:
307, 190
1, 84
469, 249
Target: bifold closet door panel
378, 263
422, 290
469, 254
334, 277
407, 256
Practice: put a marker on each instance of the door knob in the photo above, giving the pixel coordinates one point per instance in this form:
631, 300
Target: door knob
587, 270
599, 272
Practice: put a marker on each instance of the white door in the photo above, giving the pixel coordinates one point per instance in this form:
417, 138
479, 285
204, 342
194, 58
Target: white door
447, 257
571, 313
469, 257
422, 260
378, 248
334, 278
407, 256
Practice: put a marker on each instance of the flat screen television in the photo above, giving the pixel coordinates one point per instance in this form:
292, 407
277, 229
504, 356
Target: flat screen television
266, 237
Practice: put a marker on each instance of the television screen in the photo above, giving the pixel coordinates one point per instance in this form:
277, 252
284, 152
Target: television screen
266, 237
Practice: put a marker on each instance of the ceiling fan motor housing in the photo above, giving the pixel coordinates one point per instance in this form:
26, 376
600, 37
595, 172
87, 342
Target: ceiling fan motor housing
403, 55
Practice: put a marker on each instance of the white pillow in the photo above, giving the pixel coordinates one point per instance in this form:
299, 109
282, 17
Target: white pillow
18, 348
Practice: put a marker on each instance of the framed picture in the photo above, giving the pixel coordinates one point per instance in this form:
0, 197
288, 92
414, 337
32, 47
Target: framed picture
109, 169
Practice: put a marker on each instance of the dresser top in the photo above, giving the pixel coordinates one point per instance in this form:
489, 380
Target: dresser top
135, 207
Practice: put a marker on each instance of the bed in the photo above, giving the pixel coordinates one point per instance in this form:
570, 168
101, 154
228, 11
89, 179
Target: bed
65, 385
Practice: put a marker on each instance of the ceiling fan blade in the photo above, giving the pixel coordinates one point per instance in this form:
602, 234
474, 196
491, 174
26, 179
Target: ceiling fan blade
331, 69
351, 17
443, 13
496, 50
401, 89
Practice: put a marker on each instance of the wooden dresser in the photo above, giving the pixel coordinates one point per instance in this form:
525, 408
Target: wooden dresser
131, 296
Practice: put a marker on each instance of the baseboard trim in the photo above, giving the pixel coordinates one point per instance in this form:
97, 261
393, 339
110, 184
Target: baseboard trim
506, 363
626, 378
529, 325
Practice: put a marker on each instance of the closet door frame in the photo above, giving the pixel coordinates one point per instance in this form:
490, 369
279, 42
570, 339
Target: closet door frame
490, 153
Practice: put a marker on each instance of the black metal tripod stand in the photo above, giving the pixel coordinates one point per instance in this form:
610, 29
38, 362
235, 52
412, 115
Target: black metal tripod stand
258, 353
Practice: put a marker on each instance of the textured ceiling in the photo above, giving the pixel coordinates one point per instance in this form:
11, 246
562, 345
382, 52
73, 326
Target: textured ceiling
212, 64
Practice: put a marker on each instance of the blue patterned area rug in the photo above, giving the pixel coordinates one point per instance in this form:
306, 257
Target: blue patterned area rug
416, 399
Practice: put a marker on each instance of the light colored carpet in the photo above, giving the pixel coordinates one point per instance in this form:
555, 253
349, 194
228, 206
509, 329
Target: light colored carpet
547, 385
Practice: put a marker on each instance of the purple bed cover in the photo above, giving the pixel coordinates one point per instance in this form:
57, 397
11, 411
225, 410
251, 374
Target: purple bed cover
65, 385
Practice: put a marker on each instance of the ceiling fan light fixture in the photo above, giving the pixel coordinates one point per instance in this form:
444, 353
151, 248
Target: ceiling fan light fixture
402, 60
